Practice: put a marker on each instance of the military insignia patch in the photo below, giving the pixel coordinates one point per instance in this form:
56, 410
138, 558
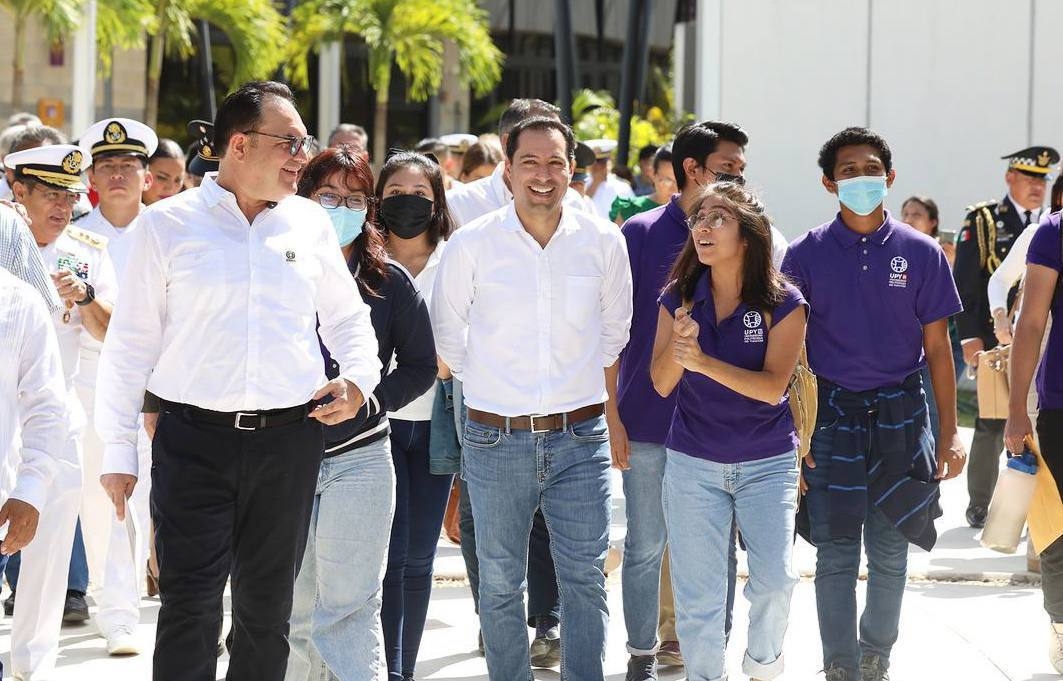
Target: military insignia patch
1044, 159
72, 162
115, 133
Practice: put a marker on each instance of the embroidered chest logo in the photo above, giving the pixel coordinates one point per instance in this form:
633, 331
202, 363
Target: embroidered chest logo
289, 256
899, 273
754, 323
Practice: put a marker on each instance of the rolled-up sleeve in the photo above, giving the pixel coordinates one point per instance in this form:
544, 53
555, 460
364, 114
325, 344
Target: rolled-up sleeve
345, 324
42, 409
451, 300
616, 299
131, 350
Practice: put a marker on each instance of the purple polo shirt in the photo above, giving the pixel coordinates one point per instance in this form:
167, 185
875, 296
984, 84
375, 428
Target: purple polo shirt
711, 421
654, 239
871, 296
1045, 251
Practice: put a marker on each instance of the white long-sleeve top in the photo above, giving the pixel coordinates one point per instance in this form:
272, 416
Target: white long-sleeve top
20, 257
1010, 271
221, 314
33, 413
541, 323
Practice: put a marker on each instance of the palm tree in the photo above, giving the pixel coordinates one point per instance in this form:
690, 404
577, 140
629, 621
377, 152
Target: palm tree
254, 27
121, 25
59, 17
407, 33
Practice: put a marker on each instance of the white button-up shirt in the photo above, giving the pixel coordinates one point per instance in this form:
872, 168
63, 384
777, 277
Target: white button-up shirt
542, 323
32, 396
221, 314
604, 196
472, 200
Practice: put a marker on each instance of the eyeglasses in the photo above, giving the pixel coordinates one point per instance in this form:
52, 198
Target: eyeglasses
294, 143
354, 201
713, 219
59, 196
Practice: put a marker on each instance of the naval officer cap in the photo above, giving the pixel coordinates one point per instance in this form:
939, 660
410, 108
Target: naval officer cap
205, 159
584, 160
458, 142
602, 148
56, 165
1034, 161
119, 137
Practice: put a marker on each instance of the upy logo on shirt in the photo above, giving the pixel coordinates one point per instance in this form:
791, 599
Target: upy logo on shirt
754, 324
899, 273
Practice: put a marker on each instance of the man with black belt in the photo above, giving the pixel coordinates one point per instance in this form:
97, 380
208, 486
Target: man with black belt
232, 280
988, 232
531, 310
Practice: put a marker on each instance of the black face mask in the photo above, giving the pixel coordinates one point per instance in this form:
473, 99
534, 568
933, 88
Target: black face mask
406, 215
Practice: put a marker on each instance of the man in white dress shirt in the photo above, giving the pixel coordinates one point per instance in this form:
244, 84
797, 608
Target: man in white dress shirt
218, 320
531, 309
32, 439
47, 183
120, 148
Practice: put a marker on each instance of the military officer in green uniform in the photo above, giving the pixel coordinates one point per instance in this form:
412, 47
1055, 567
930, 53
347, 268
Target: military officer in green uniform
987, 235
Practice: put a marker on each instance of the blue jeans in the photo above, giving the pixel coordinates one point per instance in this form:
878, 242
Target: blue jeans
78, 576
566, 473
701, 501
647, 536
335, 625
420, 502
837, 568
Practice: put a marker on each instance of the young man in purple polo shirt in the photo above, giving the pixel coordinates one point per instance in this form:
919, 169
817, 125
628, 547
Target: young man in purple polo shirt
881, 294
701, 153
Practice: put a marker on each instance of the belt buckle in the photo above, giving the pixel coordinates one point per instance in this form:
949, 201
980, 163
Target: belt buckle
531, 422
239, 415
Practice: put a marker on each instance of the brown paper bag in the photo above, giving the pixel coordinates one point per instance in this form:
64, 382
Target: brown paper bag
992, 380
1046, 510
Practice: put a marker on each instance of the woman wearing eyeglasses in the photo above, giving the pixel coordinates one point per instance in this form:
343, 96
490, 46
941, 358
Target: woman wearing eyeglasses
416, 223
729, 334
335, 623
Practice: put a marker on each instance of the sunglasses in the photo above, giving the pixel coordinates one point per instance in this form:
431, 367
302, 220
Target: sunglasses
295, 144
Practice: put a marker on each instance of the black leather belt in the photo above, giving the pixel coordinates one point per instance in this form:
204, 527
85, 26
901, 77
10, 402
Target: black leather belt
537, 423
240, 420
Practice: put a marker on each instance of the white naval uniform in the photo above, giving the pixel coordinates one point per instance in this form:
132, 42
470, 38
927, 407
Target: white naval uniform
116, 560
45, 562
32, 455
604, 196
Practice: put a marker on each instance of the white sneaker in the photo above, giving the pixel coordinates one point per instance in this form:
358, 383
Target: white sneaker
1055, 646
122, 641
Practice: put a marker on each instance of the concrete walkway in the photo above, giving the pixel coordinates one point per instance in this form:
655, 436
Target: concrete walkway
969, 614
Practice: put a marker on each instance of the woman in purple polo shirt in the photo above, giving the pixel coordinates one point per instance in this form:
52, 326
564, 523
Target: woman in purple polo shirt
1042, 295
727, 340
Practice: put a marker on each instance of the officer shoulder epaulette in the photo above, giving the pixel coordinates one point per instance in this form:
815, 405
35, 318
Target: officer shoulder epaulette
94, 240
983, 204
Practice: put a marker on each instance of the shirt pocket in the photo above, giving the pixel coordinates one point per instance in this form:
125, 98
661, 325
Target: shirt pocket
582, 299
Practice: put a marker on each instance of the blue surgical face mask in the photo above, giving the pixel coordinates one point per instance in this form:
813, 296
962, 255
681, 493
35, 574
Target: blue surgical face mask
862, 195
347, 222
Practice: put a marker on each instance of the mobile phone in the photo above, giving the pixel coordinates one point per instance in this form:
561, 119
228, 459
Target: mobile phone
947, 236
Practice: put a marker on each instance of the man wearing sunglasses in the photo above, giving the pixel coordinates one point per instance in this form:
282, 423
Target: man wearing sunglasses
235, 280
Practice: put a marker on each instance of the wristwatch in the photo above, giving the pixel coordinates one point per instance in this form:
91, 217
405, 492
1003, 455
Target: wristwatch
90, 295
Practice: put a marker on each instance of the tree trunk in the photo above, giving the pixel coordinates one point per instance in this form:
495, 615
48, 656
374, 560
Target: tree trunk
380, 129
18, 64
151, 113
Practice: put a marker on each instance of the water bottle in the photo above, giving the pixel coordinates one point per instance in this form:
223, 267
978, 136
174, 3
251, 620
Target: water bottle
1011, 503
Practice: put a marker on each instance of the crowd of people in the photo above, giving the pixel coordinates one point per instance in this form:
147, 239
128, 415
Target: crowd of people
262, 363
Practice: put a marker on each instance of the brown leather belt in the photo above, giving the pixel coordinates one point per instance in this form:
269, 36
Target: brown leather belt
537, 423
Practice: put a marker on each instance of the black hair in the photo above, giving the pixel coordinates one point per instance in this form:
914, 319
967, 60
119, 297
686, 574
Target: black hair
542, 124
852, 137
523, 109
699, 140
441, 225
662, 155
242, 110
168, 149
433, 148
647, 152
931, 209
